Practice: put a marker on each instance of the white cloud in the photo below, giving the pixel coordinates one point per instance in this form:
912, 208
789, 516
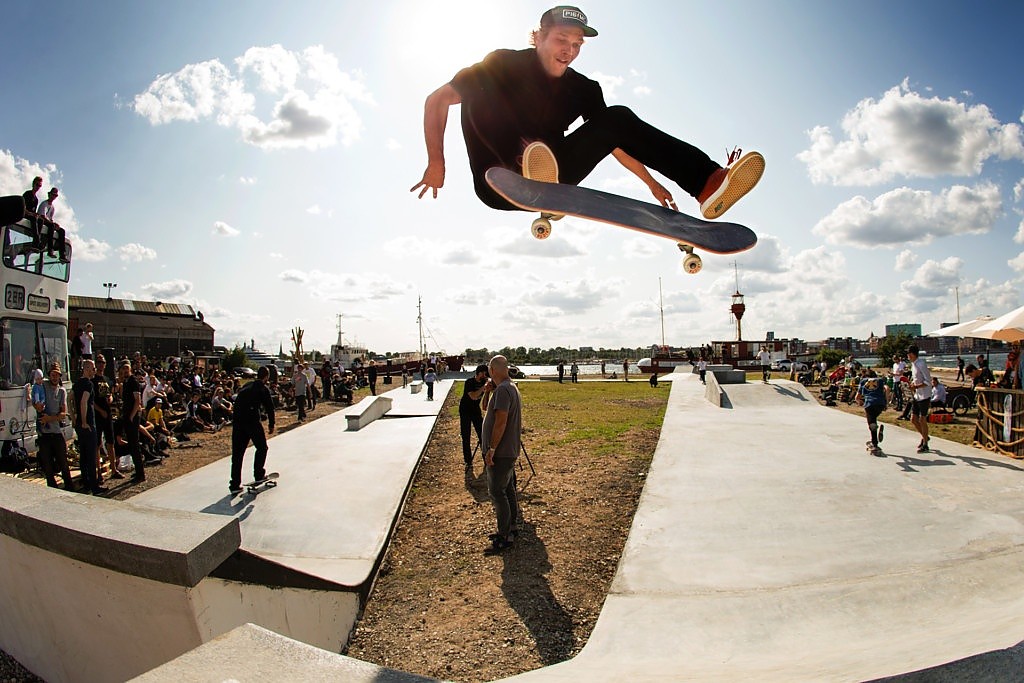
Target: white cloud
931, 282
347, 287
392, 145
571, 297
906, 260
135, 253
1017, 262
247, 180
224, 230
609, 84
313, 107
169, 290
90, 250
314, 210
904, 215
1018, 191
555, 246
905, 134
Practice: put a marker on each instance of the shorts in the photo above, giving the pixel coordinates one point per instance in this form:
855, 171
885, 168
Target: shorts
920, 408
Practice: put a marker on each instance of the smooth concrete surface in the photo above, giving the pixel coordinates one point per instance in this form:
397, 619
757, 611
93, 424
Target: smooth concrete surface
67, 620
338, 497
169, 546
768, 545
366, 411
251, 653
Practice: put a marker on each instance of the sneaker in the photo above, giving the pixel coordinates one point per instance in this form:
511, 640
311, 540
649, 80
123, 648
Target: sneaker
881, 432
923, 448
726, 186
234, 488
539, 163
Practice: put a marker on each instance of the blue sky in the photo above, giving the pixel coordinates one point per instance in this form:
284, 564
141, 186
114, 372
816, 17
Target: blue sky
254, 159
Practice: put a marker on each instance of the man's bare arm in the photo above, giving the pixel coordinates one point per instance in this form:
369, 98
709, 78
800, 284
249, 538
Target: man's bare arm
435, 120
663, 196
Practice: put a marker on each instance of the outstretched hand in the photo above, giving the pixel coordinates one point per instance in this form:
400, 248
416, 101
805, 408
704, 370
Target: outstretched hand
433, 179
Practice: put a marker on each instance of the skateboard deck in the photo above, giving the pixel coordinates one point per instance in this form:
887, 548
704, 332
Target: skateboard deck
270, 482
553, 199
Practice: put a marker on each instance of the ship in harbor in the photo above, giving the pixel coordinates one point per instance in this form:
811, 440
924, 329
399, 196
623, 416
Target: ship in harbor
354, 356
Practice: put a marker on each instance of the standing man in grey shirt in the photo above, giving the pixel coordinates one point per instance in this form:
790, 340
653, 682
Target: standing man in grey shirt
502, 442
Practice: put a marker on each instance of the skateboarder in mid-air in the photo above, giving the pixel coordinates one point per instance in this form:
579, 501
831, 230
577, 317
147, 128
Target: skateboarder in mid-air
246, 427
517, 105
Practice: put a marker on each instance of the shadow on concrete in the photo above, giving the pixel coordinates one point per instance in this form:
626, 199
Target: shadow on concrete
908, 463
789, 393
726, 402
980, 463
230, 506
526, 588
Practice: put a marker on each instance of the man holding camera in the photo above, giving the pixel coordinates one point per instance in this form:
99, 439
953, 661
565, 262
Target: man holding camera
502, 431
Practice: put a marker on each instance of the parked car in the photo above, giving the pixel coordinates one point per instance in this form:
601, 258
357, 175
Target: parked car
786, 365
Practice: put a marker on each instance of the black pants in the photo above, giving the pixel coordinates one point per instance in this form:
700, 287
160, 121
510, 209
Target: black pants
615, 127
131, 435
468, 420
87, 447
241, 434
300, 402
53, 458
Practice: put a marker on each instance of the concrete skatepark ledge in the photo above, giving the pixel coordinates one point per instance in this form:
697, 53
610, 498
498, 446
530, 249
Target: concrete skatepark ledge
767, 545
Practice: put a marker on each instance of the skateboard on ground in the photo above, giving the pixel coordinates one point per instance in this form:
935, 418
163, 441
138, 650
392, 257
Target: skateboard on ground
253, 487
555, 200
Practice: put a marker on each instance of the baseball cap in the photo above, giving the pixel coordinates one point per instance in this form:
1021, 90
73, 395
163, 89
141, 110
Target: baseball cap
566, 15
159, 400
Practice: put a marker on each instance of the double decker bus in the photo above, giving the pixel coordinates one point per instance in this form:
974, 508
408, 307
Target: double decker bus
33, 325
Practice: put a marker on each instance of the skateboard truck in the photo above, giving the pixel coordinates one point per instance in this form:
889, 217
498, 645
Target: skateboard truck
691, 262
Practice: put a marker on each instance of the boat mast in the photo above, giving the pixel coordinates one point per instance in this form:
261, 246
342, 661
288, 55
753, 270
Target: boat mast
661, 309
419, 321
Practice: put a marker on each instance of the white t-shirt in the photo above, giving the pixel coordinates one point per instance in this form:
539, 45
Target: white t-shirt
921, 379
764, 358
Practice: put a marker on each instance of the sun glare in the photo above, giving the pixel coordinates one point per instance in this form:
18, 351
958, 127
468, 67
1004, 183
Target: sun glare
442, 37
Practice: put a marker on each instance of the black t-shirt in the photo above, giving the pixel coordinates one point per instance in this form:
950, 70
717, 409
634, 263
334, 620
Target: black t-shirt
248, 402
31, 201
79, 388
130, 388
467, 402
509, 101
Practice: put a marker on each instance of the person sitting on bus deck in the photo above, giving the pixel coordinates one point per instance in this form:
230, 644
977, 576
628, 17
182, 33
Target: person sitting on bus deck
343, 387
53, 238
938, 395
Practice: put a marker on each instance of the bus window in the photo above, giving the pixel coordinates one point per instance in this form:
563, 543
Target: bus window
19, 351
53, 343
21, 253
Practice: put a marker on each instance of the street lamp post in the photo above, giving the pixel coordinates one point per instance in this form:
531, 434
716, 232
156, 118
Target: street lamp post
109, 286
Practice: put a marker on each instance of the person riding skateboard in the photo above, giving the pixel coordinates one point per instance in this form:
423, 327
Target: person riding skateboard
517, 105
246, 428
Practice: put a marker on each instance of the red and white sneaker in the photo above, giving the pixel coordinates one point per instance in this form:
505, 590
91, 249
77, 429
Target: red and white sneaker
539, 163
726, 186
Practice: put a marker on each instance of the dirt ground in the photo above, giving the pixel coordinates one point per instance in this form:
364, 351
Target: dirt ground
443, 608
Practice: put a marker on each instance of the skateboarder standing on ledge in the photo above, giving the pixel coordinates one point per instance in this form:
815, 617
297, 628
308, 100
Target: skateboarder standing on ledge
246, 427
517, 105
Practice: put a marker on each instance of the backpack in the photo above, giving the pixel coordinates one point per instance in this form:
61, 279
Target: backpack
13, 458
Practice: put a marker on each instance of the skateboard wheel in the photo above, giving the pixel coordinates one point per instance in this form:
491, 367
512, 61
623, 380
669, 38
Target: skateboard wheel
541, 228
692, 264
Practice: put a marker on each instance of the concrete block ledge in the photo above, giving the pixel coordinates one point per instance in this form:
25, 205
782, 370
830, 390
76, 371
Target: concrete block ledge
170, 546
712, 390
366, 411
251, 653
416, 386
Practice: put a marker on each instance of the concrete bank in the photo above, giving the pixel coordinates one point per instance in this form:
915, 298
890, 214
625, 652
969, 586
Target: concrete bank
185, 562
